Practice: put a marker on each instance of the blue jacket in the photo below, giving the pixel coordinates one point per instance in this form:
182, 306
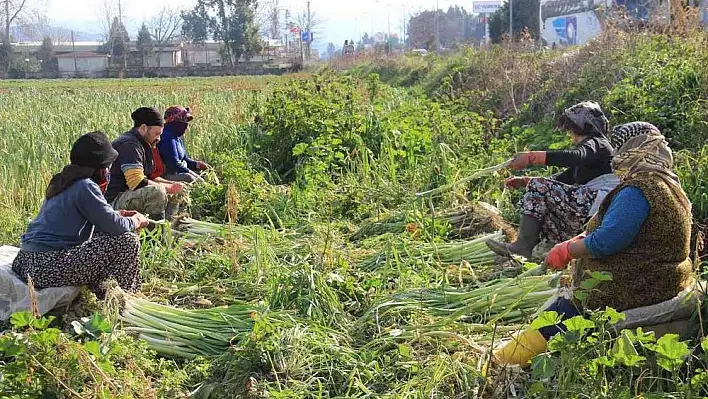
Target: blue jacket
627, 213
174, 153
68, 219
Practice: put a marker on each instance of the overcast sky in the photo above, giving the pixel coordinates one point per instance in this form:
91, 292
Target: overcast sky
343, 19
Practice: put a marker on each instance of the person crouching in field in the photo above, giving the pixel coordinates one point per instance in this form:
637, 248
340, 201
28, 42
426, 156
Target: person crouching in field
130, 187
556, 208
77, 238
178, 166
641, 235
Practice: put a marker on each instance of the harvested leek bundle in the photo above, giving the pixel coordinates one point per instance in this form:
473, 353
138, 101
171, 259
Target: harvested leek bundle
474, 252
507, 300
476, 175
190, 333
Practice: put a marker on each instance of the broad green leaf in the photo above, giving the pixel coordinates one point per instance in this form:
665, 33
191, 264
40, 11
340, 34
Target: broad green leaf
557, 343
43, 322
613, 316
93, 348
21, 319
546, 319
589, 284
9, 346
670, 351
578, 323
580, 295
704, 345
544, 366
98, 324
300, 149
601, 276
642, 337
624, 352
48, 337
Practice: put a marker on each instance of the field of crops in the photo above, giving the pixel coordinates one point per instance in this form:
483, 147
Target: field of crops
312, 269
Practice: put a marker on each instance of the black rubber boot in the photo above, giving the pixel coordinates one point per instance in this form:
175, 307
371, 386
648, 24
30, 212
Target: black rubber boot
529, 237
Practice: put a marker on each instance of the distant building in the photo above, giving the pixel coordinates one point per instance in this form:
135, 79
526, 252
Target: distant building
89, 64
169, 56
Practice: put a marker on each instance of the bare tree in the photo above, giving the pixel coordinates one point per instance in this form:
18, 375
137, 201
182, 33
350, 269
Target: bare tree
165, 27
12, 11
309, 21
270, 19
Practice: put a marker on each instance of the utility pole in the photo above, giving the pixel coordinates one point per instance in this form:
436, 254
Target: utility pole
309, 30
7, 24
437, 26
73, 50
511, 19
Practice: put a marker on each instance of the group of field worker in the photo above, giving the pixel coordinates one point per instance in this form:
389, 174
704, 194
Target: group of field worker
85, 232
618, 208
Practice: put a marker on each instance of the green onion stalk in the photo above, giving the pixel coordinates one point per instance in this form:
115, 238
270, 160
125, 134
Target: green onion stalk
507, 300
476, 175
475, 252
194, 332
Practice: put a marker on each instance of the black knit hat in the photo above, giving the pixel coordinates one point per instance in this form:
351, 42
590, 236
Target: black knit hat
93, 150
147, 116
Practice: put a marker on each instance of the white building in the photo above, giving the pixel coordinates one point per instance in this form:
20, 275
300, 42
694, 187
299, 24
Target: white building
169, 56
82, 64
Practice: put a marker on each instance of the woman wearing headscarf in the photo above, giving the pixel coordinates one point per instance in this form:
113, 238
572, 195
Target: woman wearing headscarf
174, 160
556, 208
77, 238
641, 235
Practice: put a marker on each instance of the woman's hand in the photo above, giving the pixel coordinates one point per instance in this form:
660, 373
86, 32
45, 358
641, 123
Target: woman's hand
515, 182
140, 221
203, 165
127, 214
524, 159
560, 256
175, 188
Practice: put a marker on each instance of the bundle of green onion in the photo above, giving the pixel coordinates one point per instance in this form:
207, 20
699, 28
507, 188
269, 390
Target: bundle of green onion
478, 174
190, 333
197, 227
507, 299
475, 252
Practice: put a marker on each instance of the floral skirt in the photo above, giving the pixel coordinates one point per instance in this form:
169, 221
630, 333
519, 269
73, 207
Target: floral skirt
562, 209
92, 263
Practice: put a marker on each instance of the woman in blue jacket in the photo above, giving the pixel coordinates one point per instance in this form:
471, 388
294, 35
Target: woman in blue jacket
173, 153
78, 239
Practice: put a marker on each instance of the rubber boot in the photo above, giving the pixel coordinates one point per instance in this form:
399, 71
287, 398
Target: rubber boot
523, 347
171, 211
529, 237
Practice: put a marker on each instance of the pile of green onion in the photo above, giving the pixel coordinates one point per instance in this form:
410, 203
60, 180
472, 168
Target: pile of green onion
475, 252
189, 333
509, 300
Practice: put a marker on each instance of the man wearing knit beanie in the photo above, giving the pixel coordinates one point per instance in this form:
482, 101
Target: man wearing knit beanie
130, 187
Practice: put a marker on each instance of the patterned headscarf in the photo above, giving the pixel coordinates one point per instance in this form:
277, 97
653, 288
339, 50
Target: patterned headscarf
178, 113
588, 116
641, 148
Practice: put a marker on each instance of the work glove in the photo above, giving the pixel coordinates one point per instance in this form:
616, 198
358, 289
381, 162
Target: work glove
515, 182
559, 257
524, 159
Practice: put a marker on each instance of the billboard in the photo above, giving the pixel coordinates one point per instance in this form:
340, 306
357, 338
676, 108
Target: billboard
486, 6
